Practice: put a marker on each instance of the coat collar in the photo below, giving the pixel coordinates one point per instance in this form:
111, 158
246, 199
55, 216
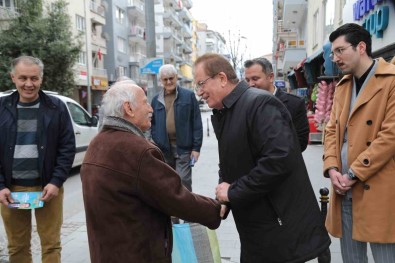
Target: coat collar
383, 68
161, 96
236, 93
13, 99
120, 124
373, 84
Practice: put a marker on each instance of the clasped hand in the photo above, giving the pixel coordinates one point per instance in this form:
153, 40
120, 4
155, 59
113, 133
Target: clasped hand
341, 183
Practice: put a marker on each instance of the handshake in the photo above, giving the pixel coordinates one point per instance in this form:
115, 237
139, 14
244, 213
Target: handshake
221, 194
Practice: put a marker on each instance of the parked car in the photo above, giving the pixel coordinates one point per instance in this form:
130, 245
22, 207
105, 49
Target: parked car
84, 125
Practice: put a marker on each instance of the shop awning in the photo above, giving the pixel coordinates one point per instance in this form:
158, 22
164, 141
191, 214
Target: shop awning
299, 74
292, 80
314, 56
313, 65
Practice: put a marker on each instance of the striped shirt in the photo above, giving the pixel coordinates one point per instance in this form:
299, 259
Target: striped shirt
25, 165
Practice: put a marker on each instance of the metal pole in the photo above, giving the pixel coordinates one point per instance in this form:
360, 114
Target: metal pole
324, 257
88, 57
151, 42
208, 129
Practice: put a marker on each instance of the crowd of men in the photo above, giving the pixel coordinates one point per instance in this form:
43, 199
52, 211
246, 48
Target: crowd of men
136, 186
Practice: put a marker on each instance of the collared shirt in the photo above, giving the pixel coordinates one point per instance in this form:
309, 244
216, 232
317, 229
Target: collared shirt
275, 90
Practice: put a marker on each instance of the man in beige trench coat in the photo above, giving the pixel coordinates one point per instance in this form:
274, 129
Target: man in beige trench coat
359, 153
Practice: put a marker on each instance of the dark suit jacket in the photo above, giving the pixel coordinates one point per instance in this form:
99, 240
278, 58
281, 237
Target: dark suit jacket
297, 108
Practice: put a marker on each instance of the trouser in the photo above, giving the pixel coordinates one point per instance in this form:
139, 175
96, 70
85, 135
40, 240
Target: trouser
180, 163
18, 226
355, 251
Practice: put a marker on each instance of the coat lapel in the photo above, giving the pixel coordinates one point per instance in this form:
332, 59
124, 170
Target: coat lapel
344, 104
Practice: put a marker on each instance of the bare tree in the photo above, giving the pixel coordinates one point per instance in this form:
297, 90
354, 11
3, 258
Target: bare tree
237, 49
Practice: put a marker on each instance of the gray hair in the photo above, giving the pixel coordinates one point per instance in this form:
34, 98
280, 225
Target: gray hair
29, 60
266, 65
167, 70
116, 96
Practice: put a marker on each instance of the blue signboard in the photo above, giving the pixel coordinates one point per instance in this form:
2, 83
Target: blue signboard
152, 67
280, 84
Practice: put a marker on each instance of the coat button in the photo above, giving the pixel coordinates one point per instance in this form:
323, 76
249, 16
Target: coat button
368, 143
369, 122
366, 186
365, 161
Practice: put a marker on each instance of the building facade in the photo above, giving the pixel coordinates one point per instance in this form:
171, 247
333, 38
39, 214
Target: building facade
88, 20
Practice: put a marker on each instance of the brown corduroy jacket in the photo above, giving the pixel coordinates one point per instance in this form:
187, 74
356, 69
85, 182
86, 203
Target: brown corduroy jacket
129, 194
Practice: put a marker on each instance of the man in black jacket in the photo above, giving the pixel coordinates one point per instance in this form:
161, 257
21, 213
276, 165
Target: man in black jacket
259, 74
37, 151
265, 181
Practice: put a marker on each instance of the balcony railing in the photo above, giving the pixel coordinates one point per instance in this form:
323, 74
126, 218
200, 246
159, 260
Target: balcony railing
187, 31
291, 44
137, 58
99, 72
96, 8
137, 31
137, 4
170, 16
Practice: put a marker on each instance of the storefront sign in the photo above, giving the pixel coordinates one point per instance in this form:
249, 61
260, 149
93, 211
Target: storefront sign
152, 67
83, 75
363, 7
375, 22
279, 84
99, 83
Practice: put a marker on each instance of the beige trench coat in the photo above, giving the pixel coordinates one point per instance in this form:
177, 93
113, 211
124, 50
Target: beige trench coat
371, 153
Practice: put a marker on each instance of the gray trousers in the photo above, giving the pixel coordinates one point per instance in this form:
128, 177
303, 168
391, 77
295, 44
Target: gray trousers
355, 251
180, 163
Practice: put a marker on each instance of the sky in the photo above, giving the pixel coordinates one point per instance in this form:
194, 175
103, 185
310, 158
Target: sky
254, 19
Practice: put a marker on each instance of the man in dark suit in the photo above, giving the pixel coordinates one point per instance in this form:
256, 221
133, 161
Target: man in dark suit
259, 74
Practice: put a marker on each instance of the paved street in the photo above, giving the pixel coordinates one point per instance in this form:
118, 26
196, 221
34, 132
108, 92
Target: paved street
74, 238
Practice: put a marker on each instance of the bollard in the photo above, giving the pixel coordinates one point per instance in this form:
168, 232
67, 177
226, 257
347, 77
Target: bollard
324, 192
325, 257
208, 129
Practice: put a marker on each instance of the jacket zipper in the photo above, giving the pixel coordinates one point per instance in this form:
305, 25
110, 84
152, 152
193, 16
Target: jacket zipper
280, 222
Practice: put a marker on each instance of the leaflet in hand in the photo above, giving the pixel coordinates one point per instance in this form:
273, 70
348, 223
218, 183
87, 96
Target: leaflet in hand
26, 200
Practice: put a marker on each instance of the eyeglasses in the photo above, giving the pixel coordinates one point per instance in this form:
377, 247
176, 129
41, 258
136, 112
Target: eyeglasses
200, 84
166, 79
338, 52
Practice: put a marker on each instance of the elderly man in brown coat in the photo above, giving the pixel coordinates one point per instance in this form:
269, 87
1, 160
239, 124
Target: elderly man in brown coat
129, 191
360, 149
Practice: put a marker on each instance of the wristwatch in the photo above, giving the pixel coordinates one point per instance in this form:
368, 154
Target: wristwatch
351, 175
